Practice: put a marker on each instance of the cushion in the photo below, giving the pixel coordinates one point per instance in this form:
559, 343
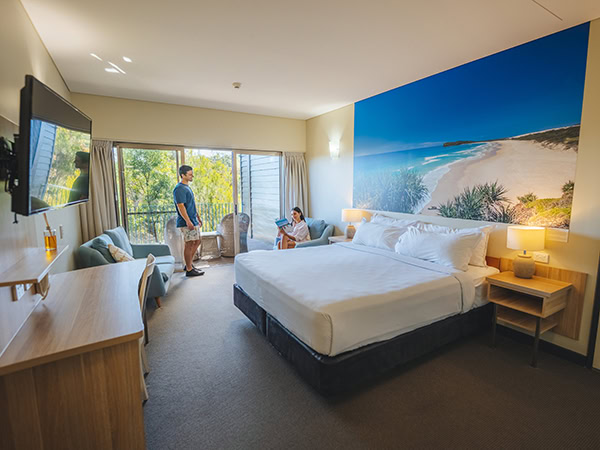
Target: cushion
316, 227
378, 235
118, 254
166, 259
480, 250
101, 244
448, 249
120, 239
385, 220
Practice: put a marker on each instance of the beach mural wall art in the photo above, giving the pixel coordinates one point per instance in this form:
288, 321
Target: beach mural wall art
494, 140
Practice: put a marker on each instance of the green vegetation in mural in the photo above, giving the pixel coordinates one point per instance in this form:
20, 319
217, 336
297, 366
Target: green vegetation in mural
400, 191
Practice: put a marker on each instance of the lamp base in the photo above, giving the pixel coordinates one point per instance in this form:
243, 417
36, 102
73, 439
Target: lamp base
523, 266
350, 231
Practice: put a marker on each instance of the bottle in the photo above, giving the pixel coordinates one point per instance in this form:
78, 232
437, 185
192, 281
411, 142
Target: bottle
50, 239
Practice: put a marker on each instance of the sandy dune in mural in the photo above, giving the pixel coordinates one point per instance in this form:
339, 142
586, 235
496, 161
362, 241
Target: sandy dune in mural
522, 166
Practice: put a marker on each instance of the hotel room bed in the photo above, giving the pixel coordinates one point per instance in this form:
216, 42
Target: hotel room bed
345, 312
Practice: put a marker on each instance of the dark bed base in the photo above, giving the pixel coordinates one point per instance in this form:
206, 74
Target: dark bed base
337, 374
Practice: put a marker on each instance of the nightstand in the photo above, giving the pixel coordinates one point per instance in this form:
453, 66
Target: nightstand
334, 239
531, 304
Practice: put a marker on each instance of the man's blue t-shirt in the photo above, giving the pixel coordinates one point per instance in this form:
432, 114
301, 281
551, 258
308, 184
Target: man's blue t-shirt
184, 194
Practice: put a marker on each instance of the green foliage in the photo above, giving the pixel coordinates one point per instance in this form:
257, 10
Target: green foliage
568, 188
488, 202
400, 191
530, 197
150, 176
212, 176
568, 136
480, 202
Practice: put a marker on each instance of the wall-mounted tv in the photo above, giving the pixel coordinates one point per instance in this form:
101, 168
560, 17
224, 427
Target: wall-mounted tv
53, 151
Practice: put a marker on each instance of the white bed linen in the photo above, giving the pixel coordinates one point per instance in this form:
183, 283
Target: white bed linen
478, 275
340, 297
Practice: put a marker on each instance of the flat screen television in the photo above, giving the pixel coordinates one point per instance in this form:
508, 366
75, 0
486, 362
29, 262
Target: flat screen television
53, 151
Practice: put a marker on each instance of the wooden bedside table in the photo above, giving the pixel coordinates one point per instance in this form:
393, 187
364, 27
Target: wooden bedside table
334, 239
530, 304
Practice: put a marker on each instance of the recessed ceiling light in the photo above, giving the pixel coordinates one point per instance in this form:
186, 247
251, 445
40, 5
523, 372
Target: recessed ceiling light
117, 67
96, 56
111, 70
126, 59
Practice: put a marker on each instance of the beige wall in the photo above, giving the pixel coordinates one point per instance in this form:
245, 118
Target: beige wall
125, 120
330, 186
23, 53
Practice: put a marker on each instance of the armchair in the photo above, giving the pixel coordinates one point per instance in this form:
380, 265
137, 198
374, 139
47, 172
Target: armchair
95, 253
319, 233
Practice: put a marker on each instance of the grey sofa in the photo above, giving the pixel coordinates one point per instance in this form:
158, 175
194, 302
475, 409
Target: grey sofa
319, 233
95, 253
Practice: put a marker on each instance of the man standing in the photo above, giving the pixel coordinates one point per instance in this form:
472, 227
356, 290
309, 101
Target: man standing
188, 220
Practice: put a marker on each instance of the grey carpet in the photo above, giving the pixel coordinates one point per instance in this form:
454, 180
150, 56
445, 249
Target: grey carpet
217, 383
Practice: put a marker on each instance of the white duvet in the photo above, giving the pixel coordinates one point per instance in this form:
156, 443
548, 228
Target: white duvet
340, 297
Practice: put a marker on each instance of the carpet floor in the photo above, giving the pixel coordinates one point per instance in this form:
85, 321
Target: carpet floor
216, 383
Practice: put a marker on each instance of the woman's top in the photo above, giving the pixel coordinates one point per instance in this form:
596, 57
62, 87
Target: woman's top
300, 232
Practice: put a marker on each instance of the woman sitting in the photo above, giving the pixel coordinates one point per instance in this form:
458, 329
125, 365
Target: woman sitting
299, 232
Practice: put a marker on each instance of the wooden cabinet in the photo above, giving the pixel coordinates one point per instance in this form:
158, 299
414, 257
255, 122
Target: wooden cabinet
70, 378
532, 305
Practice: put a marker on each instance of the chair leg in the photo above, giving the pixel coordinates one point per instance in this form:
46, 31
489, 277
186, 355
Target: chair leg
157, 300
146, 339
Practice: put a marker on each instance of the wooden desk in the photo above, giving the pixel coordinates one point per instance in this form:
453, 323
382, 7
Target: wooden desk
70, 377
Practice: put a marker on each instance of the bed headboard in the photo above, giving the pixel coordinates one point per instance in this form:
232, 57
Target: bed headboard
493, 262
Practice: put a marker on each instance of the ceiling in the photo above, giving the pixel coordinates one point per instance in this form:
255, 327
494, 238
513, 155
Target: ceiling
294, 59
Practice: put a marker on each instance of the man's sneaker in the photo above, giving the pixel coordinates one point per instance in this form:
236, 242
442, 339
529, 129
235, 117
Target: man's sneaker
193, 273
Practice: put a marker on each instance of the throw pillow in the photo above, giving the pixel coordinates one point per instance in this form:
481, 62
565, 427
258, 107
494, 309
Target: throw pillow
118, 254
101, 244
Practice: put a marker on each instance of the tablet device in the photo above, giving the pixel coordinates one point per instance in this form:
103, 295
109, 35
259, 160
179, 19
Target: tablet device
281, 222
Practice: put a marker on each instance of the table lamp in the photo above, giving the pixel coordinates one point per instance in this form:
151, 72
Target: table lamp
526, 239
351, 215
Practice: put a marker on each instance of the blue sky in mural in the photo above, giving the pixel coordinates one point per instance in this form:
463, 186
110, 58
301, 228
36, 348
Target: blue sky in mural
532, 87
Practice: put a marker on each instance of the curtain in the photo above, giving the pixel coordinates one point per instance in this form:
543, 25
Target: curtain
100, 212
295, 182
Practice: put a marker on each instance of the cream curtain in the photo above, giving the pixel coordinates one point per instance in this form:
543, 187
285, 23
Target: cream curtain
295, 182
100, 213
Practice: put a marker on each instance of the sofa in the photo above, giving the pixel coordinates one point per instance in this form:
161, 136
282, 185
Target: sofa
319, 233
95, 253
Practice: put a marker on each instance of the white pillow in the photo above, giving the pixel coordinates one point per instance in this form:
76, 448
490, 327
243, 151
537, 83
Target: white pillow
385, 220
378, 235
480, 249
118, 254
448, 249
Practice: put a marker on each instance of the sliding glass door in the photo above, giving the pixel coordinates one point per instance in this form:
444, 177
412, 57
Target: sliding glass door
238, 193
147, 176
257, 179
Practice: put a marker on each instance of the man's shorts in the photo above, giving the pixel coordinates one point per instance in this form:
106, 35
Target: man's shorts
191, 235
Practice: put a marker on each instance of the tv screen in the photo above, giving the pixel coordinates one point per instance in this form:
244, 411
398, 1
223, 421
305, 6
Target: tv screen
53, 151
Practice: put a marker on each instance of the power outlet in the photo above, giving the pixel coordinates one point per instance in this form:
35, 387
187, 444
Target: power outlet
541, 257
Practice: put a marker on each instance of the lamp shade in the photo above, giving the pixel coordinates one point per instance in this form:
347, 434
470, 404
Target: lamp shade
352, 215
525, 238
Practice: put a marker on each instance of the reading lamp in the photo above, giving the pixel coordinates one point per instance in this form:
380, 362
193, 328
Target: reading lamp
525, 238
351, 215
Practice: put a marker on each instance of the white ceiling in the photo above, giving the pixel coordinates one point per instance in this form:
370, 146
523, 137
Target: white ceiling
294, 59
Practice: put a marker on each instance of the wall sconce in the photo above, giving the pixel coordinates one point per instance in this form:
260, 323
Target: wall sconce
334, 149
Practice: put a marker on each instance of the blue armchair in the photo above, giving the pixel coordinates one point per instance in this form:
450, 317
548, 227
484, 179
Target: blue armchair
95, 253
319, 233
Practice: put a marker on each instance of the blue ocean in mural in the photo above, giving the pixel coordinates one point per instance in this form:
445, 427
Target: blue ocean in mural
495, 139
